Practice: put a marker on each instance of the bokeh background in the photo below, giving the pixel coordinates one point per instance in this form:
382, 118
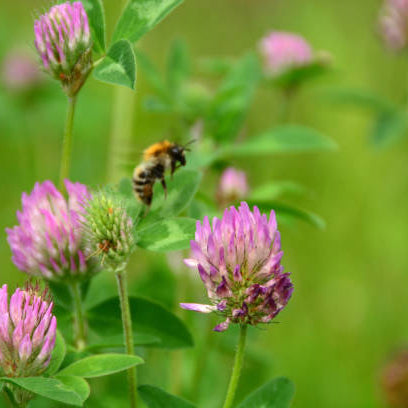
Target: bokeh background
348, 312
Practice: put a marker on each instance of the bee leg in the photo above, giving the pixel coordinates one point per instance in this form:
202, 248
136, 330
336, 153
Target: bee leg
163, 183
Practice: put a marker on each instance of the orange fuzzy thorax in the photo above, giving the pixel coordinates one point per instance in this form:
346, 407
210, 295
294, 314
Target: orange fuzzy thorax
156, 150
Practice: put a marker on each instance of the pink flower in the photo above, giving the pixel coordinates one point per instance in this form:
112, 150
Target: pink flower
19, 71
282, 51
394, 23
233, 186
27, 332
63, 41
238, 260
48, 241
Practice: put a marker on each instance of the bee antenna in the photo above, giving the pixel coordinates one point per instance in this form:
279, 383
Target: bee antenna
186, 148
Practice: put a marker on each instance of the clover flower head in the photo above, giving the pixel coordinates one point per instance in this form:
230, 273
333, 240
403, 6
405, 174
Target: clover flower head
282, 51
238, 259
48, 241
394, 24
63, 41
27, 332
19, 71
233, 186
108, 230
395, 380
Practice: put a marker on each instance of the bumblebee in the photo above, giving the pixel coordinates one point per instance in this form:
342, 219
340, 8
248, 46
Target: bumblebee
157, 158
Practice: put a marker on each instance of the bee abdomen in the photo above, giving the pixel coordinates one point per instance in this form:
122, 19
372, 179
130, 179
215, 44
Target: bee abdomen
143, 181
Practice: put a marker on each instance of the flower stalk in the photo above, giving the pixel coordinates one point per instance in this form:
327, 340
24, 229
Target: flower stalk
237, 368
121, 279
67, 142
79, 317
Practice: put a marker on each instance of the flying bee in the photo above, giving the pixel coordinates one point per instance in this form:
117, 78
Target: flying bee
157, 158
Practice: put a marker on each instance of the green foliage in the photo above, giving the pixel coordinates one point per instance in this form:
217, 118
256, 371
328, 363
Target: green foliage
154, 397
96, 15
276, 189
171, 234
119, 65
78, 384
389, 127
58, 355
51, 388
298, 76
100, 365
277, 393
390, 121
178, 66
289, 213
229, 107
140, 16
181, 189
282, 139
148, 318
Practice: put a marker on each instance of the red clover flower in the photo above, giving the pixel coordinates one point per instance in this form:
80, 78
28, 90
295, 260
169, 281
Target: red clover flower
282, 51
63, 41
48, 241
238, 259
27, 332
394, 23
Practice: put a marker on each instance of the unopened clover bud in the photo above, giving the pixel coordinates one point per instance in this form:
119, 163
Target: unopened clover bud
238, 259
108, 230
63, 41
27, 331
48, 242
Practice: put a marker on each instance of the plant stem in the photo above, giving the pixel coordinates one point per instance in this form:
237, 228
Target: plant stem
67, 142
79, 319
236, 370
127, 331
121, 131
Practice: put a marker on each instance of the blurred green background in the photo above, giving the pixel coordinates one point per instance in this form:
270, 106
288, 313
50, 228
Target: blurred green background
346, 315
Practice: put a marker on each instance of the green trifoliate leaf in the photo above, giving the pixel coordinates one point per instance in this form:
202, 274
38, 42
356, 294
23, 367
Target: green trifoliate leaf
51, 388
96, 15
57, 356
148, 318
100, 365
140, 16
389, 127
173, 234
277, 189
277, 393
282, 139
181, 189
288, 213
178, 66
119, 65
154, 397
230, 105
77, 384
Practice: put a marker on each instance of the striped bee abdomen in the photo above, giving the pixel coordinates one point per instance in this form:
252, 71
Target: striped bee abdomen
144, 178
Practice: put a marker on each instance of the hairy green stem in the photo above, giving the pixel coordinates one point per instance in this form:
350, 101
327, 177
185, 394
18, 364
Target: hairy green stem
121, 280
236, 370
79, 318
67, 142
121, 131
9, 397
